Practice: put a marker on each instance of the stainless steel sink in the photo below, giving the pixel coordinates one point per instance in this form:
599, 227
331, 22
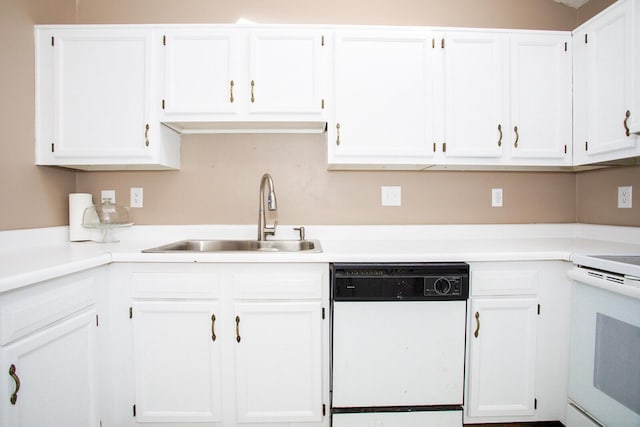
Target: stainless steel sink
238, 246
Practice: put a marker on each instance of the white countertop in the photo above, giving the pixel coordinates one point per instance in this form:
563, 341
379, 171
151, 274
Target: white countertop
31, 256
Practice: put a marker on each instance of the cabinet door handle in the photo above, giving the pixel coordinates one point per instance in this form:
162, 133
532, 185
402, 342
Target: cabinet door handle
500, 137
238, 328
213, 327
231, 91
515, 129
626, 126
477, 332
16, 379
146, 135
253, 98
337, 133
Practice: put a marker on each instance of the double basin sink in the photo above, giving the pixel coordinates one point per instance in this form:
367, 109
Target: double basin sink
206, 246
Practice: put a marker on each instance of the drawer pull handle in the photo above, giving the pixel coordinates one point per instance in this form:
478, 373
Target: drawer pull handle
477, 332
12, 373
253, 98
231, 91
146, 135
337, 133
626, 126
515, 129
213, 327
500, 137
238, 329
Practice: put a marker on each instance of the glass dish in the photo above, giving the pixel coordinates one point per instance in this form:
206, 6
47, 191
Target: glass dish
106, 217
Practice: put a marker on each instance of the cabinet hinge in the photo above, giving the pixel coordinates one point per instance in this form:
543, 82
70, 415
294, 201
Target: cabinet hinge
130, 312
565, 46
433, 43
322, 104
322, 41
444, 147
586, 146
163, 104
535, 403
53, 41
586, 38
134, 410
97, 321
323, 312
164, 40
324, 409
442, 43
53, 147
538, 309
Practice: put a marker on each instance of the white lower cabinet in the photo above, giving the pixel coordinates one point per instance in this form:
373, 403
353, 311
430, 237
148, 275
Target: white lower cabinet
517, 342
221, 344
48, 354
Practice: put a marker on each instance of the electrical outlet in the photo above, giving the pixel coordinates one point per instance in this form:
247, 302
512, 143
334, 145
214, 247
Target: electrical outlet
624, 196
391, 195
496, 197
108, 194
136, 198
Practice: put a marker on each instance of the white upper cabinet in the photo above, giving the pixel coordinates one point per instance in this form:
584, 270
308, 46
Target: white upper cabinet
474, 96
382, 100
539, 129
240, 80
603, 86
94, 101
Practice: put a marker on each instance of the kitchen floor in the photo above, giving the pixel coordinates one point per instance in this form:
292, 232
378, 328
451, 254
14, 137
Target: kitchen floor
541, 424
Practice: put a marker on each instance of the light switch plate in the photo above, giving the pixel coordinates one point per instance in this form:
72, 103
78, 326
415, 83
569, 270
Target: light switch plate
108, 194
391, 195
624, 197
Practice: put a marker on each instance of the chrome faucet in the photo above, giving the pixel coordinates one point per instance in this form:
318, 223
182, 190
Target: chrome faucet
263, 229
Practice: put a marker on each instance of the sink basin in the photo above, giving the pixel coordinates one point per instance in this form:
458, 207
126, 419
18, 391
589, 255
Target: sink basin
238, 246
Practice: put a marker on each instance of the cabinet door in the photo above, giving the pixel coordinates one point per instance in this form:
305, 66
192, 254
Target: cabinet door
278, 362
101, 94
383, 99
474, 89
202, 74
502, 357
56, 369
284, 72
177, 361
603, 86
540, 94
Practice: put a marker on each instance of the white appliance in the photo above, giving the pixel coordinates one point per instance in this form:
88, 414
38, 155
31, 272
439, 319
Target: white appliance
604, 369
398, 344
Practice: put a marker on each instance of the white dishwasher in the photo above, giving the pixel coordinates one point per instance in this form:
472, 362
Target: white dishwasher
398, 344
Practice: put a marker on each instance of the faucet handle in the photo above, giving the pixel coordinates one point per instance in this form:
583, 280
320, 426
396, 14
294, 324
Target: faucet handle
271, 231
301, 231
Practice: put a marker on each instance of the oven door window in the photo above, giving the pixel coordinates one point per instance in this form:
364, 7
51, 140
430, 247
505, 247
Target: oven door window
616, 370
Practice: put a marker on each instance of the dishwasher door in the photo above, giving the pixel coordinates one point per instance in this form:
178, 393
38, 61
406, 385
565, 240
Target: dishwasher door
398, 353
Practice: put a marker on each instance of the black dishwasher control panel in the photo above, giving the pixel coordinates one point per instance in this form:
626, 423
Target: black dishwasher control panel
400, 281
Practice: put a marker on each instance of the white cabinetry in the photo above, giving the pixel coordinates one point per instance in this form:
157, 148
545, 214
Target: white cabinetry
383, 99
517, 342
222, 343
241, 80
95, 101
48, 354
604, 73
461, 99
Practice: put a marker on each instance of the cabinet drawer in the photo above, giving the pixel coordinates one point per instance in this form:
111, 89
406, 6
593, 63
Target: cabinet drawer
31, 309
277, 286
503, 282
168, 285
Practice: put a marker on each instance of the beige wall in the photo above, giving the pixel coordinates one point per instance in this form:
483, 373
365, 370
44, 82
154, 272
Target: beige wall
218, 182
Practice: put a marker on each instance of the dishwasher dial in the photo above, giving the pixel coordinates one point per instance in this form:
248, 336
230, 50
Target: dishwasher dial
442, 286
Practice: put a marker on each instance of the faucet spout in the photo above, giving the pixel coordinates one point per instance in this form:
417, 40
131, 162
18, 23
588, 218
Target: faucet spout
272, 205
